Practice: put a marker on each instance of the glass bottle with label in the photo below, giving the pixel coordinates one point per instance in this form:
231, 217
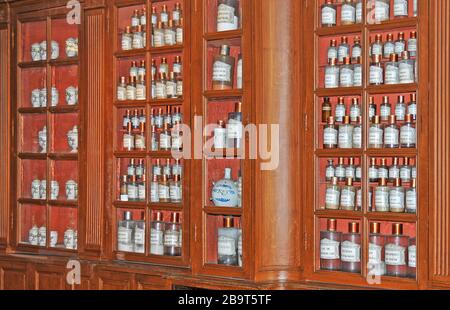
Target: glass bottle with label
408, 134
125, 233
406, 69
235, 127
355, 110
165, 139
330, 170
382, 10
358, 173
359, 11
345, 140
376, 48
330, 135
154, 139
332, 74
412, 258
140, 138
176, 190
332, 195
135, 19
167, 169
391, 134
391, 74
157, 234
128, 139
348, 12
340, 170
389, 46
372, 109
351, 249
350, 170
343, 49
396, 252
348, 196
179, 29
134, 69
139, 235
220, 136
154, 189
357, 72
154, 17
127, 39
171, 86
329, 14
340, 110
177, 12
400, 8
131, 169
394, 170
239, 76
411, 198
135, 120
406, 171
376, 72
382, 197
141, 93
383, 171
161, 87
227, 242
177, 168
122, 89
164, 15
376, 264
397, 197
131, 89
412, 44
376, 134
356, 48
170, 35
172, 236
332, 50
385, 110
330, 247
373, 171
132, 189
177, 116
142, 188
164, 189
124, 188
415, 7
223, 70
346, 75
357, 134
400, 44
138, 37
159, 35
326, 109
400, 109
227, 15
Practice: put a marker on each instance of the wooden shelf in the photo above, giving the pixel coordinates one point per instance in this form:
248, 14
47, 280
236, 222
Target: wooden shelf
129, 204
138, 104
130, 53
392, 152
166, 49
166, 207
339, 30
223, 35
407, 22
392, 89
63, 156
33, 64
223, 94
30, 201
340, 214
65, 62
223, 211
391, 217
32, 110
64, 109
168, 101
130, 154
339, 153
35, 156
63, 203
340, 91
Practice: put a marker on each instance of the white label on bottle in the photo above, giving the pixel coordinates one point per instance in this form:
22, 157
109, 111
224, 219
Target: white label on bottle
140, 92
164, 17
405, 173
131, 92
389, 48
121, 93
239, 74
128, 141
172, 239
377, 49
355, 112
141, 192
391, 136
332, 52
330, 136
357, 137
346, 78
345, 137
157, 242
412, 254
131, 170
347, 198
133, 72
406, 73
161, 91
332, 197
329, 249
376, 75
123, 197
348, 13
140, 142
340, 172
400, 7
395, 255
331, 77
359, 12
412, 46
412, 109
358, 173
139, 236
375, 136
226, 246
375, 252
373, 173
357, 76
170, 37
132, 191
397, 199
221, 72
350, 252
158, 38
394, 173
154, 192
382, 173
225, 18
392, 74
234, 129
163, 192
179, 35
350, 172
359, 198
343, 51
356, 52
175, 193
138, 41
329, 172
381, 200
340, 112
179, 88
399, 47
408, 135
411, 201
171, 89
127, 42
400, 112
124, 235
220, 138
385, 111
381, 10
328, 16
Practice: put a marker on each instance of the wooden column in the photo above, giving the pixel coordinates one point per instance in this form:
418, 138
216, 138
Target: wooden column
439, 229
277, 101
4, 126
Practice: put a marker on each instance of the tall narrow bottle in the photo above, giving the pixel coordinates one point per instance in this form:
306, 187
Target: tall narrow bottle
223, 69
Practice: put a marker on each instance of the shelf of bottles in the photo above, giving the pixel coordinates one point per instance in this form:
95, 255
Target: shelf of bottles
151, 105
225, 105
366, 143
47, 135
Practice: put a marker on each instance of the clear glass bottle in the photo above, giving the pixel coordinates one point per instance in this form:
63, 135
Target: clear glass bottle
394, 170
122, 89
376, 264
391, 74
412, 258
157, 234
343, 49
159, 35
412, 44
143, 16
223, 69
400, 8
170, 35
372, 109
154, 189
356, 48
227, 15
131, 169
345, 138
382, 197
139, 235
326, 109
348, 12
350, 169
357, 72
330, 135
132, 189
397, 197
400, 44
124, 188
154, 139
348, 196
140, 138
177, 12
389, 46
382, 10
340, 110
126, 120
177, 168
340, 170
376, 134
358, 173
164, 14
172, 236
239, 76
154, 17
408, 134
376, 73
131, 89
406, 69
406, 171
359, 11
167, 169
138, 38
330, 247
373, 171
385, 110
351, 249
357, 134
142, 188
128, 139
134, 69
412, 107
176, 190
346, 74
179, 29
391, 134
332, 195
127, 39
177, 137
396, 252
332, 50
411, 198
164, 189
227, 242
161, 87
376, 48
171, 86
329, 14
383, 171
330, 170
332, 74
141, 92
235, 127
400, 109
355, 110
135, 19
125, 233
165, 139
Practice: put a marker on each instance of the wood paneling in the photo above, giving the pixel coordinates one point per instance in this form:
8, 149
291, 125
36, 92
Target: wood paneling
109, 280
13, 276
49, 277
152, 283
440, 146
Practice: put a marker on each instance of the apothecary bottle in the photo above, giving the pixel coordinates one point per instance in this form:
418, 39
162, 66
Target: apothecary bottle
345, 139
400, 109
406, 171
348, 196
176, 190
391, 73
355, 110
348, 12
154, 189
373, 171
376, 48
332, 50
396, 252
359, 11
372, 108
172, 236
179, 29
157, 234
170, 35
406, 69
412, 44
391, 134
154, 139
330, 135
389, 46
376, 71
357, 134
132, 189
382, 10
412, 107
125, 237
351, 249
124, 188
357, 72
138, 41
227, 15
332, 195
385, 110
159, 35
142, 188
400, 8
329, 14
128, 139
340, 170
227, 243
332, 74
400, 44
394, 170
376, 264
346, 75
356, 48
411, 198
382, 197
122, 89
376, 134
343, 49
330, 247
383, 171
330, 170
408, 134
340, 110
223, 69
326, 109
139, 235
127, 39
397, 197
350, 169
412, 258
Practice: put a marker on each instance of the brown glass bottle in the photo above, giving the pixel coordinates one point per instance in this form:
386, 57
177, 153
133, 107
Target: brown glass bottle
330, 247
351, 249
